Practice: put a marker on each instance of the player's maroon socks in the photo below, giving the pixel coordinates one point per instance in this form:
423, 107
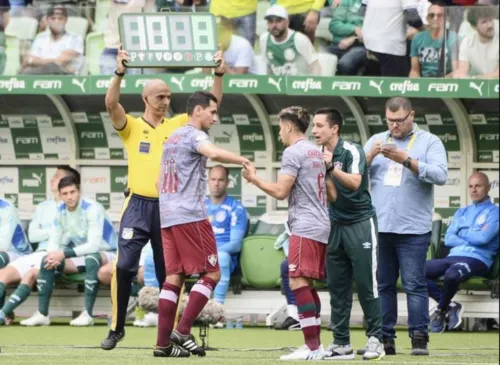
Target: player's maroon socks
198, 297
167, 307
317, 303
307, 316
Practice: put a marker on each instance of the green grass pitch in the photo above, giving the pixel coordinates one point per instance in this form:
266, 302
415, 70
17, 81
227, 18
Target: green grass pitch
61, 344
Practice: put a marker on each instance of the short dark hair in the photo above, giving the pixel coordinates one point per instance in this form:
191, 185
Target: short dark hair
296, 115
201, 98
474, 13
333, 116
398, 102
440, 3
68, 181
226, 170
57, 9
69, 171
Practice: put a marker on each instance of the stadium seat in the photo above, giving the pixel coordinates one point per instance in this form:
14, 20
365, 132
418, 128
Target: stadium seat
94, 45
260, 262
101, 15
77, 25
328, 64
323, 31
24, 28
261, 22
260, 65
271, 223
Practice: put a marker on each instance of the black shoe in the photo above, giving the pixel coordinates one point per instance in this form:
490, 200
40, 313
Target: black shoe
389, 347
171, 350
109, 343
419, 344
288, 324
188, 342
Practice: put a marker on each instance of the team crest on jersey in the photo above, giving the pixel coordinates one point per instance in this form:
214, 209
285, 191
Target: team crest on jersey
338, 165
289, 54
220, 216
127, 233
481, 219
212, 260
270, 55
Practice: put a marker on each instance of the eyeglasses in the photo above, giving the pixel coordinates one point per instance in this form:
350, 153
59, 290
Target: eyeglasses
435, 15
398, 121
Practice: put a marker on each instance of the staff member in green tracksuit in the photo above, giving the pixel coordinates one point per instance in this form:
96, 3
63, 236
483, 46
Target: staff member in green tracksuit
352, 245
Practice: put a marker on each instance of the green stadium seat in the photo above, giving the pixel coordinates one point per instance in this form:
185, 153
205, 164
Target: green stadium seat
323, 31
260, 262
24, 28
93, 49
13, 54
328, 63
101, 14
77, 25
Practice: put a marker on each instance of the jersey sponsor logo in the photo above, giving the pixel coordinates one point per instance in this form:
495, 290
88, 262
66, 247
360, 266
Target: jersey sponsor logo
367, 245
292, 267
481, 219
127, 233
220, 216
212, 260
144, 147
218, 230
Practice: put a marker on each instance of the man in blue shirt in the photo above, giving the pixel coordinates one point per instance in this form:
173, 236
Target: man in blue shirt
405, 164
229, 221
473, 239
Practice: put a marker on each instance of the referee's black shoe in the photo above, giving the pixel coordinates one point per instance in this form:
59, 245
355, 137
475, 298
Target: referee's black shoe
188, 342
109, 343
171, 350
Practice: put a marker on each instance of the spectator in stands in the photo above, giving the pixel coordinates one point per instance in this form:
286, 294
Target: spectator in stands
385, 34
427, 56
112, 35
24, 270
238, 52
55, 52
242, 12
229, 221
405, 164
146, 276
304, 15
478, 56
287, 52
4, 19
82, 239
473, 238
346, 28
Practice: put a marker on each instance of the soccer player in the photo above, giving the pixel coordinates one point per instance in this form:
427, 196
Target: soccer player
25, 269
229, 221
352, 246
188, 238
81, 229
140, 222
302, 181
13, 241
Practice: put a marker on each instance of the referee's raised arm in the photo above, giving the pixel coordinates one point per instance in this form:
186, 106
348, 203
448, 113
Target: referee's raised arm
114, 108
217, 87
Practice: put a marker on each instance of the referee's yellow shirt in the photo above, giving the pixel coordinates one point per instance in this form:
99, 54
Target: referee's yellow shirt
144, 145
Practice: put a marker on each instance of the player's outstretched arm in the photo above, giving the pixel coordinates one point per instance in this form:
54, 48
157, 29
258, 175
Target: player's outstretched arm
279, 190
114, 108
218, 154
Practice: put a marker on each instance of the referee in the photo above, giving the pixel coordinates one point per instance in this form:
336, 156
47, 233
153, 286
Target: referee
140, 222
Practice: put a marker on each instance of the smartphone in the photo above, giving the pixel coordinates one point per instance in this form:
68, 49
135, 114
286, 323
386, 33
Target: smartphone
389, 145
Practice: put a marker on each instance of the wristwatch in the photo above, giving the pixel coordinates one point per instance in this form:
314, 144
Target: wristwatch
407, 162
330, 169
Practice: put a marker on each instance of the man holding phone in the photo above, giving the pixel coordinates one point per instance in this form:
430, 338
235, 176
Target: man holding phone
405, 163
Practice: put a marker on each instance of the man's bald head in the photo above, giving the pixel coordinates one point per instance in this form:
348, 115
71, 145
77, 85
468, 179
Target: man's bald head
154, 87
156, 96
479, 186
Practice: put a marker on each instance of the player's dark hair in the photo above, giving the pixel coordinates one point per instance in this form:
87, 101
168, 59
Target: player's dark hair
438, 3
474, 13
68, 181
296, 115
397, 103
226, 170
333, 116
69, 171
199, 98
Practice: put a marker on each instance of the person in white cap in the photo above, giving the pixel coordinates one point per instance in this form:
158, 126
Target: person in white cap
287, 52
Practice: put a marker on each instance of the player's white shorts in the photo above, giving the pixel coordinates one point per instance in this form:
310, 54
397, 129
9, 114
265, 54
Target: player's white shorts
80, 260
25, 263
13, 255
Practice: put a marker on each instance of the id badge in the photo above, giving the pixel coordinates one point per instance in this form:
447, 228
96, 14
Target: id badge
394, 174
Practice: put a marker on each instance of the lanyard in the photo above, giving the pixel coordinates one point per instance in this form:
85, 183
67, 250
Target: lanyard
410, 144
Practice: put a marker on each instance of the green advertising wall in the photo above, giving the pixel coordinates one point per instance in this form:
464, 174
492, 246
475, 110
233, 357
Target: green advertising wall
48, 121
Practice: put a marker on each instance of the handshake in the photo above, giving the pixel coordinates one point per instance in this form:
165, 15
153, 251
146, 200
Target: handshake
249, 170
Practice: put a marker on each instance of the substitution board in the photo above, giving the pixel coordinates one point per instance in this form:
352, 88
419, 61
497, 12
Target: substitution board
169, 39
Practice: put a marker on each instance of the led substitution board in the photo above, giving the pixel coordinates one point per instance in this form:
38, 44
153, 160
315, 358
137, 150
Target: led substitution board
169, 39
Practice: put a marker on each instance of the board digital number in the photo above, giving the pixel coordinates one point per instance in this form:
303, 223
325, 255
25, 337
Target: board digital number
169, 39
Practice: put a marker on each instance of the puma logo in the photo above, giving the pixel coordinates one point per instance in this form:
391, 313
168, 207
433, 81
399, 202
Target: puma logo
37, 178
178, 82
377, 86
227, 134
478, 88
276, 84
80, 84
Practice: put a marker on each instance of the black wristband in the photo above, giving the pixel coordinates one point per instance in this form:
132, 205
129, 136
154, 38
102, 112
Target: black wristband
219, 74
330, 169
121, 74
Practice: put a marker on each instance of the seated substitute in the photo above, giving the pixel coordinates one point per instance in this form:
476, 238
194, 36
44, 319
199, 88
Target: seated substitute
13, 241
473, 238
24, 270
82, 239
229, 222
